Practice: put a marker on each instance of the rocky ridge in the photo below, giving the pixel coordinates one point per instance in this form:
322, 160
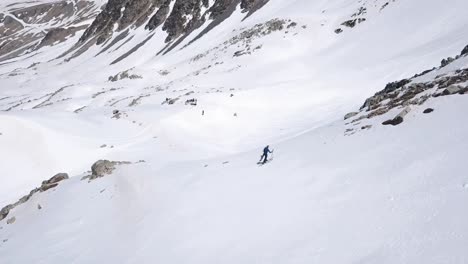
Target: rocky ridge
28, 28
409, 92
176, 17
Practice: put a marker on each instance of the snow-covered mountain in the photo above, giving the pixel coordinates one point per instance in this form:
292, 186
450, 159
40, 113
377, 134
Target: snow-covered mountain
130, 131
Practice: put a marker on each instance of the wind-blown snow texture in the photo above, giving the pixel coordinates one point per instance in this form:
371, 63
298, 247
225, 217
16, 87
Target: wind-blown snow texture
383, 195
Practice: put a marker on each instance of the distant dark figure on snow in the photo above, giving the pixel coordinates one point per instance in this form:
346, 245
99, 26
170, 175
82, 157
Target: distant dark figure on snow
266, 150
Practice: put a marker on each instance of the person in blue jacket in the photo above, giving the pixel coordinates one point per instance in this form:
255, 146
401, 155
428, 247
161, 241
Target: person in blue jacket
266, 150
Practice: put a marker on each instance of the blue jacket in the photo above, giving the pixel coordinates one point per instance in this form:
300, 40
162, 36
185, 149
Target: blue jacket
266, 150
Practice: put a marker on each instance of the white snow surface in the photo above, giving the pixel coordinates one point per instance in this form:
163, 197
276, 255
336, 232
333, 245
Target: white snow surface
384, 195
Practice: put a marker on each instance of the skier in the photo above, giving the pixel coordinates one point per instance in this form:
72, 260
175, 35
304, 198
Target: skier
266, 150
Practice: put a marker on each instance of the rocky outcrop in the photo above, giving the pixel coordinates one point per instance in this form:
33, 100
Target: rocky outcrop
58, 35
43, 13
5, 211
428, 111
53, 182
407, 92
353, 22
185, 16
464, 51
101, 168
160, 16
355, 19
29, 28
102, 27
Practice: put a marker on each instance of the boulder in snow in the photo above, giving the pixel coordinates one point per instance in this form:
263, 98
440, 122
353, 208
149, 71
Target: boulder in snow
101, 168
5, 210
452, 89
428, 110
399, 118
53, 182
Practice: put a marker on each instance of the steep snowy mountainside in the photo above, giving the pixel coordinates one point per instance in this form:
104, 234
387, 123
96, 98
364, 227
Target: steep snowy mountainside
176, 99
287, 69
28, 26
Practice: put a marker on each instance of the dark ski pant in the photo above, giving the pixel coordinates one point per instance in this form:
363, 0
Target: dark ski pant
264, 157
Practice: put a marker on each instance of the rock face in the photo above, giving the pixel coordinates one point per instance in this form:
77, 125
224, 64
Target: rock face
185, 16
5, 211
26, 29
160, 16
58, 35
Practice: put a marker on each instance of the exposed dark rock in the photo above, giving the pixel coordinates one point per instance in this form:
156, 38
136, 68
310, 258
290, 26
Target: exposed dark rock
58, 35
160, 16
353, 22
386, 93
464, 51
220, 7
424, 72
5, 211
446, 61
102, 26
391, 87
462, 91
185, 16
17, 39
407, 92
338, 30
394, 122
251, 6
177, 23
428, 110
44, 13
124, 75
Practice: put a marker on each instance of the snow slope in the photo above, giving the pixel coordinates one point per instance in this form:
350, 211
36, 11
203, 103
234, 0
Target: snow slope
386, 195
